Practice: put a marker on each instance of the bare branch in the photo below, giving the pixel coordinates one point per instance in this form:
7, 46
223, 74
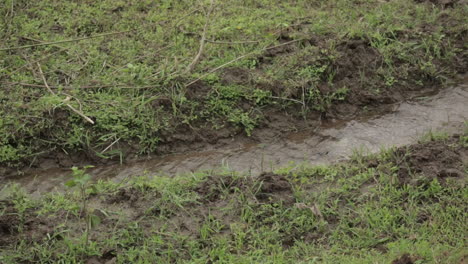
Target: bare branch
202, 40
108, 147
44, 79
64, 101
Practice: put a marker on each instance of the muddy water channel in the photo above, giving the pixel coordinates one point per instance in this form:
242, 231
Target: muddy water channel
402, 124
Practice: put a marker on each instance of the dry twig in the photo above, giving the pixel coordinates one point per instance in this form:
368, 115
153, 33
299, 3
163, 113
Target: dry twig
64, 101
108, 147
202, 40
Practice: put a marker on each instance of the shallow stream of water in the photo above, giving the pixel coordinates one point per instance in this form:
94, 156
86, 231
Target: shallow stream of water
405, 123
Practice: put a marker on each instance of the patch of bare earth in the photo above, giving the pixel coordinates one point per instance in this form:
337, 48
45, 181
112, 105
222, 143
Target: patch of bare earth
433, 160
15, 226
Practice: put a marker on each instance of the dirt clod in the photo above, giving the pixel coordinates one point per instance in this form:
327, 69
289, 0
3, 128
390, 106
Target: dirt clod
236, 75
211, 189
33, 228
275, 188
404, 259
130, 195
8, 228
431, 159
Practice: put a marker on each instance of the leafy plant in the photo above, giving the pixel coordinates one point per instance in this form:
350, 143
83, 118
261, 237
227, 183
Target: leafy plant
82, 181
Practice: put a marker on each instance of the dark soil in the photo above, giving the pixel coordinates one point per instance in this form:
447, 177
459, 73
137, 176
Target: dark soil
108, 257
432, 159
443, 3
212, 189
404, 259
235, 75
33, 228
275, 188
130, 195
9, 223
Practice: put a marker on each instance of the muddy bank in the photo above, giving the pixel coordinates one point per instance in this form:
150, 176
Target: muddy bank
404, 123
294, 71
285, 209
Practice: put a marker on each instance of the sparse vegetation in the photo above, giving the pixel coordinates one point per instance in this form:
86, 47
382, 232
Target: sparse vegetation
83, 82
372, 209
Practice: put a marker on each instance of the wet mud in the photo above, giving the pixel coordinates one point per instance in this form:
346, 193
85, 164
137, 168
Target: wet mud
428, 159
275, 188
32, 227
433, 160
403, 123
